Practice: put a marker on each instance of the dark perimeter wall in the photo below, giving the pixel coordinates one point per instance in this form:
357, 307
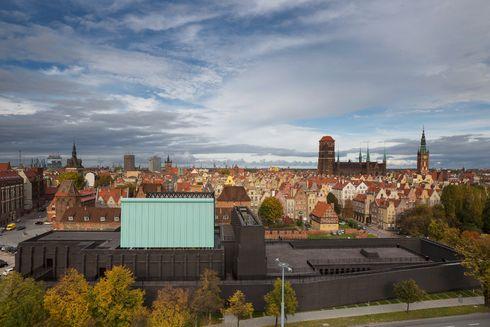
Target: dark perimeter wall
154, 268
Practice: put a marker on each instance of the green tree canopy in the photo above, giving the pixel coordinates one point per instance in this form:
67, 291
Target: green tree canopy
21, 302
116, 303
171, 308
239, 307
408, 292
476, 260
270, 211
74, 176
464, 206
206, 298
103, 180
416, 221
347, 210
486, 216
273, 299
69, 301
333, 200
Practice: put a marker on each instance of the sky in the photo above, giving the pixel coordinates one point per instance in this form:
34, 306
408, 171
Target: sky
255, 83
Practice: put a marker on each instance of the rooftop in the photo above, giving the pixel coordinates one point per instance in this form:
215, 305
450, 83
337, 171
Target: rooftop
180, 195
298, 258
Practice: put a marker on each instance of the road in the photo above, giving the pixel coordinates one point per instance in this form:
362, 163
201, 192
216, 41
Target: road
472, 320
14, 237
380, 233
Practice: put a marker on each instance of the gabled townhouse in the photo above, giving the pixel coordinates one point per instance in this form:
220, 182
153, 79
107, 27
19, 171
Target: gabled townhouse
361, 207
324, 218
344, 191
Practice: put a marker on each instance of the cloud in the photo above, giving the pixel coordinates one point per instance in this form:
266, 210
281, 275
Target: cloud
165, 19
254, 80
12, 107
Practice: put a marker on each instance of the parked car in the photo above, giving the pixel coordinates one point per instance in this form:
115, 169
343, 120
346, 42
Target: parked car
11, 226
3, 263
21, 227
7, 271
38, 222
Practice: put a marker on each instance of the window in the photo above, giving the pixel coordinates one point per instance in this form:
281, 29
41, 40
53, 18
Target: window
102, 218
86, 218
70, 218
116, 218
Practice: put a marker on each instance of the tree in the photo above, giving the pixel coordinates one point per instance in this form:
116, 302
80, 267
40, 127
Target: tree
116, 304
273, 300
441, 232
464, 205
486, 217
476, 260
238, 307
103, 180
74, 176
270, 211
206, 299
336, 206
408, 291
171, 308
348, 210
69, 301
416, 221
437, 229
21, 302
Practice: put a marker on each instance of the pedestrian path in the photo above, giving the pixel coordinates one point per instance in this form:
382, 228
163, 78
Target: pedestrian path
360, 311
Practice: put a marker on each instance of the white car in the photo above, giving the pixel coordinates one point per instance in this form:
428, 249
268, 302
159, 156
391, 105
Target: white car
7, 271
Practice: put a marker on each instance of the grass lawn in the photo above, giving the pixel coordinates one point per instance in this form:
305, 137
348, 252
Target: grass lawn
393, 316
328, 236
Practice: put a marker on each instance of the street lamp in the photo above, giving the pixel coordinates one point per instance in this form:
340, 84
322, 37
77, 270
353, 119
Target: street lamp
283, 265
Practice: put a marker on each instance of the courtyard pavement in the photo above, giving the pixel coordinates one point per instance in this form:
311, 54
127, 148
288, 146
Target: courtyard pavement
14, 237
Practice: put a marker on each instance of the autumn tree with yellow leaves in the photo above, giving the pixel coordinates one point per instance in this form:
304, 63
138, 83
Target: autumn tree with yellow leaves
206, 299
171, 308
69, 301
116, 303
239, 307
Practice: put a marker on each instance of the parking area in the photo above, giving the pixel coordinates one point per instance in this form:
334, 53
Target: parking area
10, 239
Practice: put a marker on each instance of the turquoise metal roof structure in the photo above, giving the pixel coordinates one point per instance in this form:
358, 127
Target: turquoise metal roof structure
167, 222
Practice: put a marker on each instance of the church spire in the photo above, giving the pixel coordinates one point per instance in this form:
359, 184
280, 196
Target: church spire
368, 159
423, 144
74, 150
338, 156
384, 155
360, 155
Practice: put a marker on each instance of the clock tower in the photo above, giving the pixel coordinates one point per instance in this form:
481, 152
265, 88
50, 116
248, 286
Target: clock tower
423, 156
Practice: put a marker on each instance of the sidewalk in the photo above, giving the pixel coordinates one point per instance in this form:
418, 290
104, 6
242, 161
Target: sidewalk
360, 311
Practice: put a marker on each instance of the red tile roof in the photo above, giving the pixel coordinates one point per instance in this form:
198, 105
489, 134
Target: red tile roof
234, 194
325, 213
5, 166
327, 138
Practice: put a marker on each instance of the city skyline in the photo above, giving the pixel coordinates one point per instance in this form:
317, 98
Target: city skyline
254, 83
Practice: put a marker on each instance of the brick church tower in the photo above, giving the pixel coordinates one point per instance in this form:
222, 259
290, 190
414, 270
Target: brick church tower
326, 156
423, 156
